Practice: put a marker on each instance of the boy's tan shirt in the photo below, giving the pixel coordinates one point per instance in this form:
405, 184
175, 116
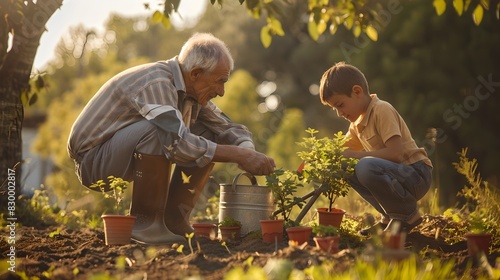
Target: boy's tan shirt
381, 122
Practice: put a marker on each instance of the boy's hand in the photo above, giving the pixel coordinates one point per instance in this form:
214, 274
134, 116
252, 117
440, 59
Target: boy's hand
351, 154
392, 151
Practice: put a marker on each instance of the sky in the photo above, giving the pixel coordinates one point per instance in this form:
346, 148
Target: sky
94, 14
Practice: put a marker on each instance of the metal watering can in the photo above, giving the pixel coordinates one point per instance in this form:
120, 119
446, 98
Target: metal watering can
247, 203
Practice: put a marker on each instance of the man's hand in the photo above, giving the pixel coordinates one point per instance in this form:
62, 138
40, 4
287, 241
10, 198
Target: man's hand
247, 159
257, 164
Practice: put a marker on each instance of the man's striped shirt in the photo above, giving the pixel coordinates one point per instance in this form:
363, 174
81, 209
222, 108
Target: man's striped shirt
156, 92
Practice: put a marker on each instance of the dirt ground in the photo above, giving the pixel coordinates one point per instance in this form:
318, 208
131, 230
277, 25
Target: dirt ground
61, 253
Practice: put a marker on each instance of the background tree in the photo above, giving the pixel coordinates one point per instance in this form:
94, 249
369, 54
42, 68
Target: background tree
282, 146
365, 18
401, 67
240, 103
25, 22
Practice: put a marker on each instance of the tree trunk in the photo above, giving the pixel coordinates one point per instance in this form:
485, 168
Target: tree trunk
15, 70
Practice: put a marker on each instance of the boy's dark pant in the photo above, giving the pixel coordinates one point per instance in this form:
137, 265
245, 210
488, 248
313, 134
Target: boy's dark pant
392, 188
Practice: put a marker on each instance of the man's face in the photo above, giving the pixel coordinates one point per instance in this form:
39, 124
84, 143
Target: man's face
210, 85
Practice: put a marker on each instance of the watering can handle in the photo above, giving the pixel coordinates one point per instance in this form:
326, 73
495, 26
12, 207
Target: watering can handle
250, 176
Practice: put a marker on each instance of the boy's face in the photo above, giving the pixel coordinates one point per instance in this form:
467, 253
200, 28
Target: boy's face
349, 107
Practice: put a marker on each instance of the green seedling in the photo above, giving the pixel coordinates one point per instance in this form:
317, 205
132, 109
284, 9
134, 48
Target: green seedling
189, 237
225, 246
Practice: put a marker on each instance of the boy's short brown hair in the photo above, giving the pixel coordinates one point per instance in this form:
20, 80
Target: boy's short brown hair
340, 79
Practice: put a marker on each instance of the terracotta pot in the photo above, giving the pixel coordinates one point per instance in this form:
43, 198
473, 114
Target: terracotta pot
118, 229
300, 235
205, 230
271, 230
230, 233
391, 255
477, 242
394, 241
329, 244
333, 218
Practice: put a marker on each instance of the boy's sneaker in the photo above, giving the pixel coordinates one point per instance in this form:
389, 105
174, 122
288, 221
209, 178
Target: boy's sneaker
404, 226
373, 229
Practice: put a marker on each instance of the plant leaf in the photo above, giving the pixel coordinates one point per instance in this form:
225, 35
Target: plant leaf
466, 5
312, 29
180, 248
372, 33
321, 27
165, 21
265, 37
276, 27
477, 15
349, 22
485, 4
333, 28
356, 30
440, 6
459, 6
157, 17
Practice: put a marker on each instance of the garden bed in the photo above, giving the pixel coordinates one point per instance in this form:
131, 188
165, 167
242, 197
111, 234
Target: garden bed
61, 253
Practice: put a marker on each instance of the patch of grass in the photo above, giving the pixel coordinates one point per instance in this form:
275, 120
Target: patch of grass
410, 268
39, 211
482, 208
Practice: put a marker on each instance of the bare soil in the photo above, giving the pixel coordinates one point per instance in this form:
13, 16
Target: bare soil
61, 253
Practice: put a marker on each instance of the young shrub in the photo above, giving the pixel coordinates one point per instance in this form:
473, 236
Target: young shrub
230, 229
114, 190
325, 164
283, 185
483, 202
324, 231
230, 222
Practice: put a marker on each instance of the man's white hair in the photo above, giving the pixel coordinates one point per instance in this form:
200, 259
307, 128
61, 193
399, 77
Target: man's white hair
205, 51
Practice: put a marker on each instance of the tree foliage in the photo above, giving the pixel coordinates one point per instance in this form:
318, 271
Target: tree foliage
358, 16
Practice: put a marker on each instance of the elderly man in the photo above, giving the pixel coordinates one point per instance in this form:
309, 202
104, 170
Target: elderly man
151, 116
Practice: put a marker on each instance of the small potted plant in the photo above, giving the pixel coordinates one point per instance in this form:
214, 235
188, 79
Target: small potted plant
299, 234
230, 229
326, 167
205, 230
481, 208
272, 230
393, 239
117, 227
478, 239
326, 238
283, 185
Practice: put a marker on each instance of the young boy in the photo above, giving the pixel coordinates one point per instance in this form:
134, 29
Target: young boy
392, 173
